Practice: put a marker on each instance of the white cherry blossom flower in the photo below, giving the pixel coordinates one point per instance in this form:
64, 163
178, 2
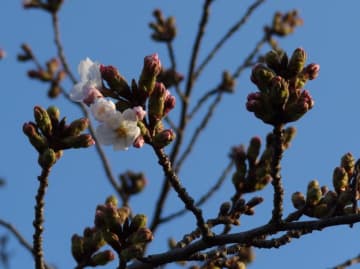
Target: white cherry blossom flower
102, 109
119, 130
90, 81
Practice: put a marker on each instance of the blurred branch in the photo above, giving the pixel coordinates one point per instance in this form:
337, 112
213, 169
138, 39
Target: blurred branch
202, 101
182, 254
205, 197
104, 160
233, 29
174, 67
348, 263
198, 131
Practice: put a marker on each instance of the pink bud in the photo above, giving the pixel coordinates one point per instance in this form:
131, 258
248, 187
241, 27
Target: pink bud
312, 70
91, 95
139, 142
140, 112
152, 64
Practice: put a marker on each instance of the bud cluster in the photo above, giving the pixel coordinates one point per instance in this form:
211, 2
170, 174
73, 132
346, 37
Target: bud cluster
49, 135
253, 171
113, 226
320, 202
132, 183
284, 24
164, 29
51, 6
281, 97
52, 75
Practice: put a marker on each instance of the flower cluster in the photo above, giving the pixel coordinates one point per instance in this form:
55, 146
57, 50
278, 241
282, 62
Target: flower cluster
320, 202
253, 172
50, 136
281, 97
123, 123
113, 227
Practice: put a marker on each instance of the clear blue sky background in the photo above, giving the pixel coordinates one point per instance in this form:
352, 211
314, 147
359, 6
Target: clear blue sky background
116, 33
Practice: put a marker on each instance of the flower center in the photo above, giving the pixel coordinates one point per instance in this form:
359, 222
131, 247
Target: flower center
121, 131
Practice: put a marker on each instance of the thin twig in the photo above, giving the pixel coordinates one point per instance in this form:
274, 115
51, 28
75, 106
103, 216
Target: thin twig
233, 29
275, 174
348, 263
205, 197
104, 160
183, 115
201, 101
198, 131
174, 66
39, 219
181, 191
248, 61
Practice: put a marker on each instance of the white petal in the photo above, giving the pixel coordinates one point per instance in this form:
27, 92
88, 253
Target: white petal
77, 93
115, 120
105, 134
103, 109
129, 114
83, 68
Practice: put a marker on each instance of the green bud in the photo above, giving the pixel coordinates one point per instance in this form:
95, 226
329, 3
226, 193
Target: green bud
297, 62
112, 200
163, 138
289, 135
112, 239
77, 247
279, 92
77, 127
340, 179
47, 158
156, 103
43, 120
228, 82
298, 200
142, 235
314, 193
38, 141
80, 141
102, 258
54, 113
276, 60
348, 162
123, 213
262, 76
254, 149
152, 68
139, 221
116, 81
330, 198
345, 198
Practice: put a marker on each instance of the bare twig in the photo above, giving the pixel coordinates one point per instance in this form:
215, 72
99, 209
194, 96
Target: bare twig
275, 174
181, 191
202, 101
39, 220
104, 160
205, 197
233, 29
174, 66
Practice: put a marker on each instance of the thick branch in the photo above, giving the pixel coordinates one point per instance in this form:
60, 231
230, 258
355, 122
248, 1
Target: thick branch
181, 254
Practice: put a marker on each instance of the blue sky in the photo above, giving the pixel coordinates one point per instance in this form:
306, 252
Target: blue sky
116, 33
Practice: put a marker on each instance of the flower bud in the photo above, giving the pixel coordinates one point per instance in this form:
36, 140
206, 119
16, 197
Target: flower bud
139, 221
297, 62
131, 252
115, 81
312, 71
123, 213
321, 210
254, 149
54, 90
77, 248
112, 200
139, 142
47, 158
227, 83
80, 141
157, 103
261, 76
169, 77
142, 235
39, 142
163, 138
102, 258
77, 127
289, 134
43, 120
52, 66
313, 194
340, 179
276, 60
152, 68
298, 200
348, 162
279, 92
169, 103
224, 209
